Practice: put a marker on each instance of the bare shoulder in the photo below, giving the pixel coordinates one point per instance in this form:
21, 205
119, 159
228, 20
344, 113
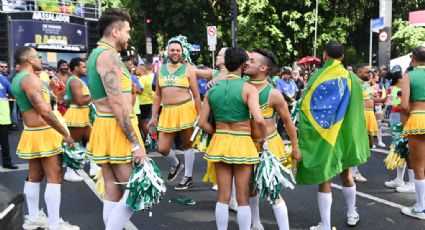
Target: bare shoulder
108, 57
32, 81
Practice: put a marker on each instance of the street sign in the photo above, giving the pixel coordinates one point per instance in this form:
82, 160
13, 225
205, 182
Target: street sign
377, 23
211, 48
149, 45
212, 35
196, 47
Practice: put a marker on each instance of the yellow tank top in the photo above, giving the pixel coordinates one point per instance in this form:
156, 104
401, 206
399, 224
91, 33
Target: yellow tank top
367, 91
46, 92
266, 110
178, 79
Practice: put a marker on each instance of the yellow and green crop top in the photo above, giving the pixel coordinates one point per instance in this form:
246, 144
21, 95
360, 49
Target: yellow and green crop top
178, 79
22, 100
266, 110
84, 88
95, 82
367, 91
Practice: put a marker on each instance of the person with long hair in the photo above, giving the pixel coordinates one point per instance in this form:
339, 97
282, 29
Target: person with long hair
232, 149
413, 119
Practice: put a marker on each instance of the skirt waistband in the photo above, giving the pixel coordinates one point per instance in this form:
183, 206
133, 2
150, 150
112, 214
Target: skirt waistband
181, 103
44, 127
233, 132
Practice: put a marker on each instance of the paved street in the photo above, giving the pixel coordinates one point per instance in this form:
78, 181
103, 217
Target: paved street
378, 206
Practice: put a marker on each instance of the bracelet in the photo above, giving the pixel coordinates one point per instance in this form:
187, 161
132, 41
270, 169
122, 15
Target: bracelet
135, 148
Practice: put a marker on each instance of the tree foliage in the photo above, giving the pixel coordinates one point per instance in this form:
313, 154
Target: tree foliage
284, 26
407, 36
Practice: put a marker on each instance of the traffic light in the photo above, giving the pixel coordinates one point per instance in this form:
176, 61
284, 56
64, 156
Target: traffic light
374, 59
148, 27
148, 20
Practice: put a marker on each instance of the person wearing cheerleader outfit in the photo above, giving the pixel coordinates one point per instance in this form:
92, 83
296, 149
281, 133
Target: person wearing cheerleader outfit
413, 119
232, 149
259, 66
115, 139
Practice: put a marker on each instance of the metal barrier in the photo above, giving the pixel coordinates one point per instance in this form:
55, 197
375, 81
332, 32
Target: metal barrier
91, 9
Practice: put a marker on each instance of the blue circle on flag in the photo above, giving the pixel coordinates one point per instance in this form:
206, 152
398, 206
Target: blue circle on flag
329, 102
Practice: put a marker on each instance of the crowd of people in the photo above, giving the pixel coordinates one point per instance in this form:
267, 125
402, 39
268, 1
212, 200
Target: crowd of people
245, 104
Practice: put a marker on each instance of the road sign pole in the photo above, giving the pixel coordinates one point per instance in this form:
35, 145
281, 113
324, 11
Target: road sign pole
370, 43
213, 60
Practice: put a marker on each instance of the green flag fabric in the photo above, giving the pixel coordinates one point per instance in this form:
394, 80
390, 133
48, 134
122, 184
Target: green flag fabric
332, 126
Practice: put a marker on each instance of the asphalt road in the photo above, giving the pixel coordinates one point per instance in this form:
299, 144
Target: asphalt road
379, 207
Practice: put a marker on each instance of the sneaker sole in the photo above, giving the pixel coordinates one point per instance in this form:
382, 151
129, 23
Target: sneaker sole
177, 173
412, 215
183, 188
353, 225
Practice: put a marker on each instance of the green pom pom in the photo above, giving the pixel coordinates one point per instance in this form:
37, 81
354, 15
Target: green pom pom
74, 158
399, 141
145, 187
271, 176
92, 113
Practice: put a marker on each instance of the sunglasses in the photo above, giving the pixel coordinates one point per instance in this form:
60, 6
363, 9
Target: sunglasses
3, 66
36, 56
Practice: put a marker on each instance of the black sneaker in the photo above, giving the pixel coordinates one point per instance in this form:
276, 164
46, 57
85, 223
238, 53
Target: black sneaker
185, 184
174, 171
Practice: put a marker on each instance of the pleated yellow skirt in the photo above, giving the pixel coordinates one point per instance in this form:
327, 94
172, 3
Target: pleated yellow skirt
38, 142
232, 147
174, 118
108, 143
77, 116
371, 124
415, 124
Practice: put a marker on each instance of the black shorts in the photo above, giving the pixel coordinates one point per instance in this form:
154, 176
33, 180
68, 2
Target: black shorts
145, 111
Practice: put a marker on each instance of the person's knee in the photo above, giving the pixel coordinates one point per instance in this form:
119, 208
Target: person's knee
35, 176
164, 150
224, 196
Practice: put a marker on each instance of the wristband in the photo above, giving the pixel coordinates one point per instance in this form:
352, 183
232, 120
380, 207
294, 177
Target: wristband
135, 148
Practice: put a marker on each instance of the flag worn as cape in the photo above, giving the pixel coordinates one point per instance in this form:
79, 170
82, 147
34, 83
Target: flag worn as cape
332, 126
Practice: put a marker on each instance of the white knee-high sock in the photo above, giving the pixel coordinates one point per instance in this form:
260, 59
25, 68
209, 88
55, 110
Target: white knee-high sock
172, 159
255, 210
221, 216
400, 172
52, 197
411, 175
324, 200
355, 169
189, 158
32, 195
108, 206
119, 216
350, 199
233, 194
244, 217
379, 137
420, 194
281, 214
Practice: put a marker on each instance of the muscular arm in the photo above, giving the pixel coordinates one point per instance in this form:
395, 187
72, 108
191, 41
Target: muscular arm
194, 88
109, 67
157, 99
77, 93
279, 105
204, 73
204, 123
254, 107
33, 89
405, 96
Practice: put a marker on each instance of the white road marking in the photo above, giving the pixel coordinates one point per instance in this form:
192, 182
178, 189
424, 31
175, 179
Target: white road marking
380, 150
90, 183
21, 167
374, 198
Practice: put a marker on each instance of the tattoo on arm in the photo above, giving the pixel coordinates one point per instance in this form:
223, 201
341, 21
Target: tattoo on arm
111, 82
125, 122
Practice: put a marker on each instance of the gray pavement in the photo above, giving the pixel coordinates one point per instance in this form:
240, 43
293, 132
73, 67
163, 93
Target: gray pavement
379, 207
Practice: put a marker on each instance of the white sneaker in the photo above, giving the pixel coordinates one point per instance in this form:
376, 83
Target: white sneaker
40, 222
373, 146
65, 225
359, 178
319, 227
414, 212
214, 187
233, 205
94, 170
394, 183
71, 175
257, 227
381, 144
352, 220
407, 188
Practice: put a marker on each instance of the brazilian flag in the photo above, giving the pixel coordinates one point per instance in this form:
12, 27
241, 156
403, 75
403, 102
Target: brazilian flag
332, 127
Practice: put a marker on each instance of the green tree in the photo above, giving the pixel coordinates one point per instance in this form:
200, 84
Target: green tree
406, 37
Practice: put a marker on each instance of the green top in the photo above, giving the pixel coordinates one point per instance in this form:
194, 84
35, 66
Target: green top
417, 84
95, 82
267, 111
395, 100
24, 103
69, 94
226, 101
216, 73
